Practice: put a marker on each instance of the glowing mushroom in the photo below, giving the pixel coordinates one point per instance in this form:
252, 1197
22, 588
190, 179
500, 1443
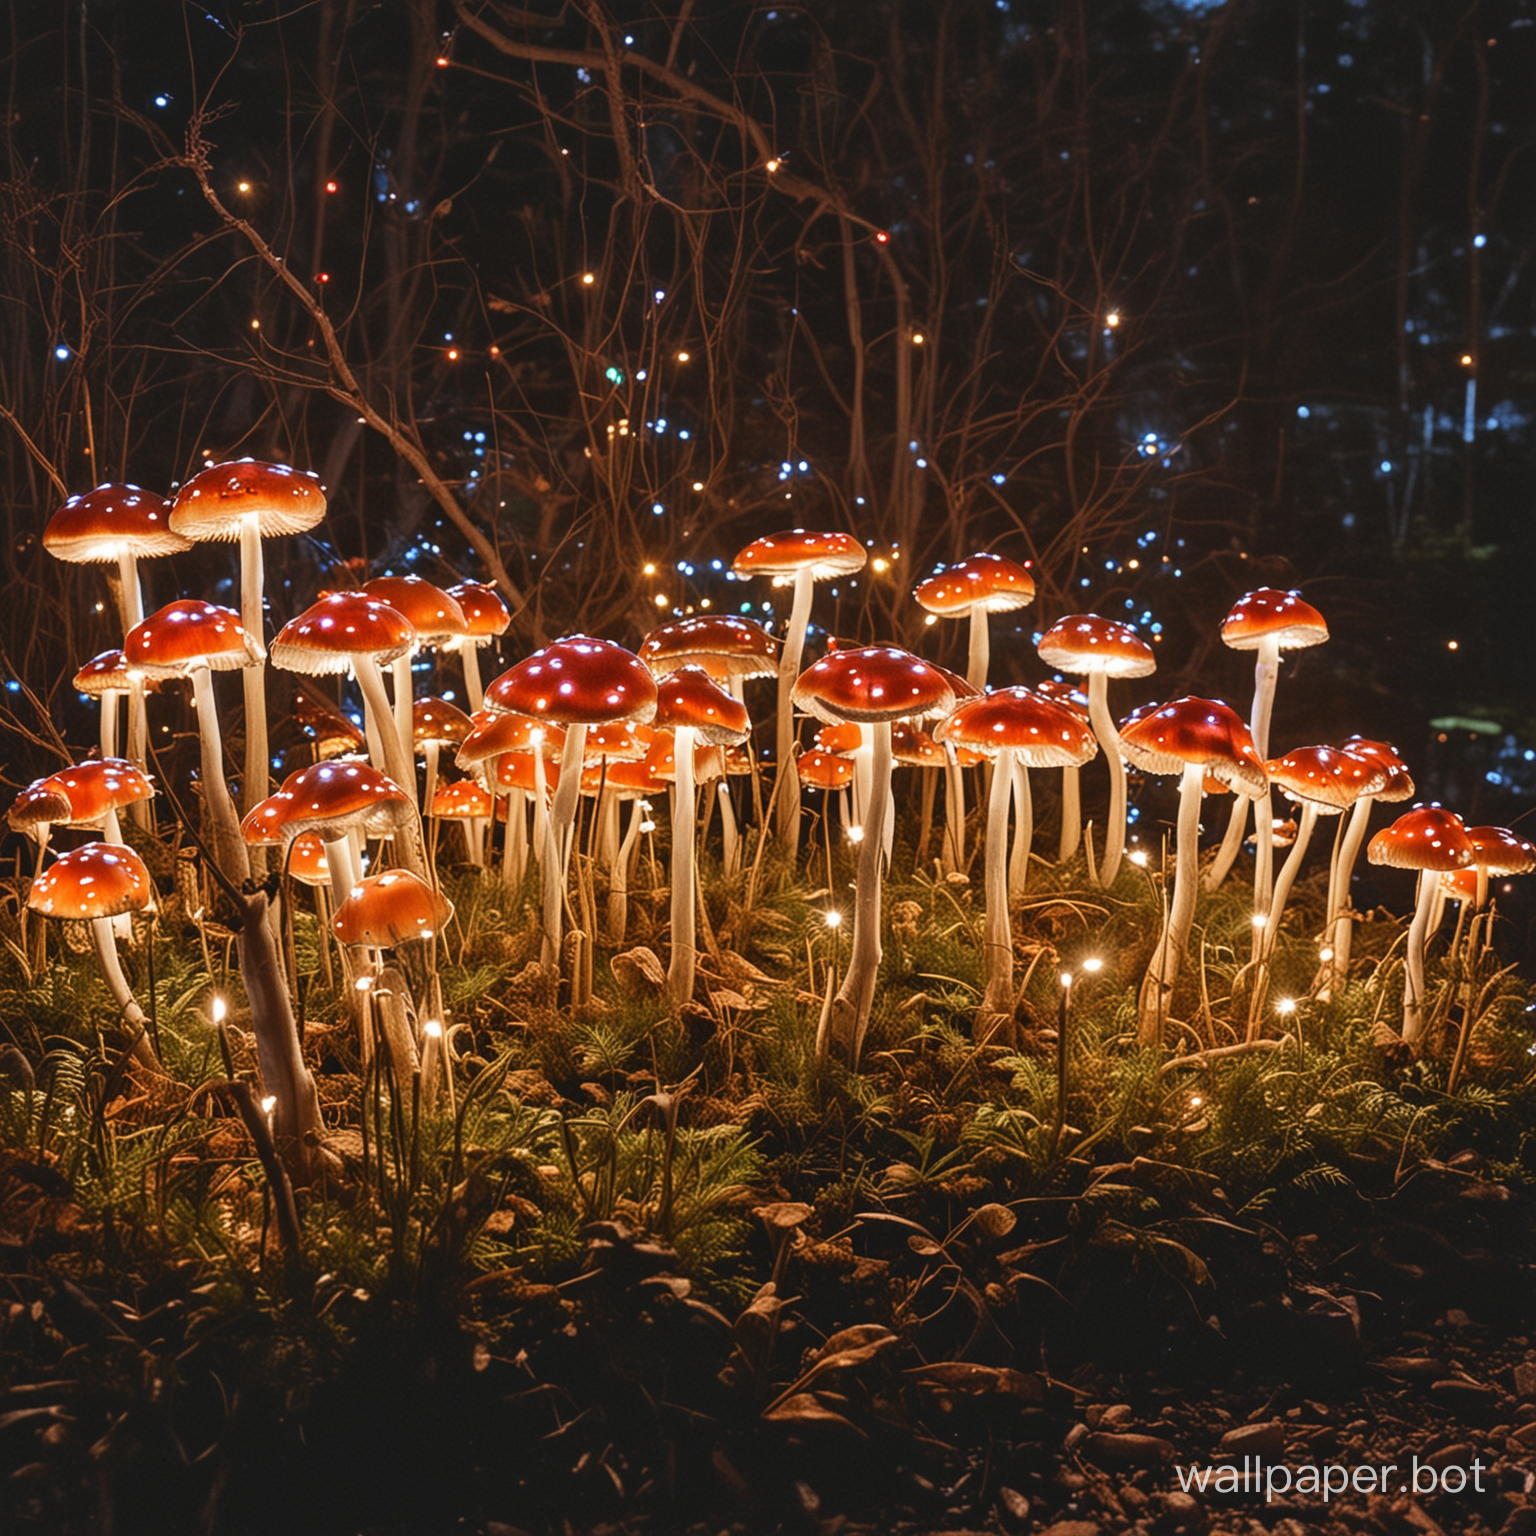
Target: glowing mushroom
873, 685
485, 617
1190, 737
575, 682
796, 559
248, 501
1430, 841
1266, 622
94, 884
693, 708
1085, 645
974, 589
1012, 725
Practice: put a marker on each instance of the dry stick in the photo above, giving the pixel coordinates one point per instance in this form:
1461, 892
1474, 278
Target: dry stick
345, 386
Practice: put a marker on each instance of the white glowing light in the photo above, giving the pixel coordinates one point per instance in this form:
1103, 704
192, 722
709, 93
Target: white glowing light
833, 919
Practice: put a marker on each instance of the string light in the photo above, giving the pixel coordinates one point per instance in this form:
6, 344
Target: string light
833, 919
1112, 319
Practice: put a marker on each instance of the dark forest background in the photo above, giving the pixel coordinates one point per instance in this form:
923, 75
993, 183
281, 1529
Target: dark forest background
1173, 300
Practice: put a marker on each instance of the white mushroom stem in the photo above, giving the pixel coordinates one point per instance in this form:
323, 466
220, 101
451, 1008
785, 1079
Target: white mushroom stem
1109, 742
105, 941
1413, 970
541, 842
954, 812
131, 605
1341, 930
788, 793
1071, 814
228, 845
851, 1006
130, 595
469, 655
1168, 956
1436, 911
863, 771
562, 818
429, 751
109, 699
397, 762
340, 866
1264, 851
1266, 673
980, 655
998, 933
607, 813
514, 843
405, 725
1023, 827
680, 972
618, 884
253, 617
730, 832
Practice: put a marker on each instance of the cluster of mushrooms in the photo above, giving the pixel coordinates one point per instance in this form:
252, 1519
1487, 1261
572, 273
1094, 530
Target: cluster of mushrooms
585, 720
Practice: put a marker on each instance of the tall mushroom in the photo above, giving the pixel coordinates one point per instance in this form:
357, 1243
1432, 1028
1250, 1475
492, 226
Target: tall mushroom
1190, 737
437, 620
1071, 835
693, 708
796, 559
1012, 726
1267, 622
98, 789
1085, 645
348, 631
191, 638
117, 525
94, 884
248, 501
974, 589
435, 724
1429, 840
485, 617
1323, 781
1339, 929
106, 678
873, 686
575, 682
494, 737
328, 731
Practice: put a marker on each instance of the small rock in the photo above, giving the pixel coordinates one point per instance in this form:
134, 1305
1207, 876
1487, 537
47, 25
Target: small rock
807, 1498
1266, 1439
1525, 1437
1412, 1367
1525, 1379
1074, 1528
1182, 1512
1117, 1417
1012, 1508
1458, 1455
1460, 1394
1128, 1450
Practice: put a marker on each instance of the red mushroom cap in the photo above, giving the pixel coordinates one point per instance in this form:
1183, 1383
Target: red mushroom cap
1192, 731
724, 646
187, 634
492, 735
688, 697
216, 502
436, 721
393, 908
1330, 779
262, 825
1040, 733
516, 770
336, 798
1399, 785
307, 862
485, 615
628, 779
784, 555
824, 770
332, 733
577, 681
106, 673
1269, 614
98, 526
97, 880
1065, 694
877, 682
41, 803
462, 800
1427, 837
432, 613
988, 582
1500, 851
625, 740
842, 737
913, 747
341, 625
99, 785
1083, 643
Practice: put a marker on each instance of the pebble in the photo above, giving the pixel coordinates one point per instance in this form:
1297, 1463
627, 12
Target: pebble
1128, 1450
1266, 1438
1012, 1507
1074, 1528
